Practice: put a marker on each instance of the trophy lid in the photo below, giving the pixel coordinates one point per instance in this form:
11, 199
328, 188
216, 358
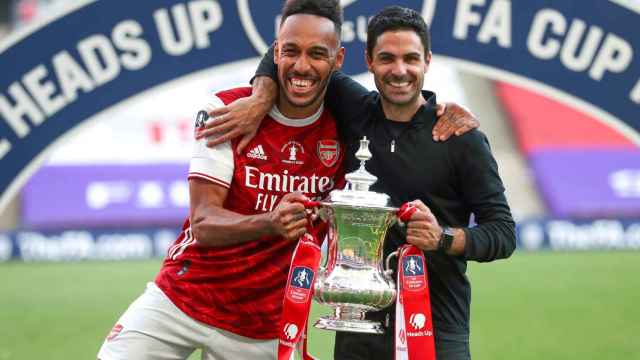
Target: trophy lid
357, 191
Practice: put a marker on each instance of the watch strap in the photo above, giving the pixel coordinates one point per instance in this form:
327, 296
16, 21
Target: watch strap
446, 239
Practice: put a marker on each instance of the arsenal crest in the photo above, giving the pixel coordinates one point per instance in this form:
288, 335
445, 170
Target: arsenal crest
328, 152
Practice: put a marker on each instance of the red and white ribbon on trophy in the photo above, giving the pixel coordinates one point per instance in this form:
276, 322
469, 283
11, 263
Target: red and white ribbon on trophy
414, 326
298, 293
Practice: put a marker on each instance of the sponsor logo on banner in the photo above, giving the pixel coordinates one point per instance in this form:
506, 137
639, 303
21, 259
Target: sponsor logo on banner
413, 271
328, 152
301, 281
80, 245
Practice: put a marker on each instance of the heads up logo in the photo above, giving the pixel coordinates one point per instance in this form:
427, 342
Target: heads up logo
261, 20
418, 321
290, 331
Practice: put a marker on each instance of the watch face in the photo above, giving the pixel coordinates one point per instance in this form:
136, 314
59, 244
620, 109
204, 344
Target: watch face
447, 238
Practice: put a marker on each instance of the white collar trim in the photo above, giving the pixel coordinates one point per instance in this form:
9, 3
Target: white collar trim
280, 118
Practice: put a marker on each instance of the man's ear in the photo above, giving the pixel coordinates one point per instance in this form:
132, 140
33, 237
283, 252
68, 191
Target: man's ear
427, 61
369, 60
276, 52
339, 58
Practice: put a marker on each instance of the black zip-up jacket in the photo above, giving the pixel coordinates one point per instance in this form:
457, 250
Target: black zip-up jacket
455, 179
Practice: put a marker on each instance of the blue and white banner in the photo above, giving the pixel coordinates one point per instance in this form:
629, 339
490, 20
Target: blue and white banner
565, 234
136, 244
78, 245
55, 76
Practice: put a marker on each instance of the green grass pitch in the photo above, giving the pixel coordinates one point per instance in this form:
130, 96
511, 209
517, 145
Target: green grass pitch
532, 306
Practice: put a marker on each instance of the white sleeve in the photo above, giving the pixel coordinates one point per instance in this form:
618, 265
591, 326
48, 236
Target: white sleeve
212, 164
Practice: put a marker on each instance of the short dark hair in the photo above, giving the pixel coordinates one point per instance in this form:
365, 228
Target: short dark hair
394, 18
329, 9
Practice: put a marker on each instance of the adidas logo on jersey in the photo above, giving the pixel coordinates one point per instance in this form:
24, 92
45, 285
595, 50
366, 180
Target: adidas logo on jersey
257, 153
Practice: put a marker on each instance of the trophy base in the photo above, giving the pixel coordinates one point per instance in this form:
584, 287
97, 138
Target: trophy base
357, 326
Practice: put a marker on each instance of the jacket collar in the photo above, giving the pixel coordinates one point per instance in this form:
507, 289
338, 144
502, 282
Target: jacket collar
425, 114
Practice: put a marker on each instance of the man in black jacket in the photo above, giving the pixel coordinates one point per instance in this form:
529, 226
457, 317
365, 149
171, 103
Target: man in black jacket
448, 181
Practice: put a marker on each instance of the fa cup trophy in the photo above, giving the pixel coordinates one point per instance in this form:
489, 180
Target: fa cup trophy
354, 279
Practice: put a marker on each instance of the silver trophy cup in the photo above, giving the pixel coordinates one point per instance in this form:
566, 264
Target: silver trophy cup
354, 279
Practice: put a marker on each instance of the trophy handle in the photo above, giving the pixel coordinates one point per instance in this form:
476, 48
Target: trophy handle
387, 267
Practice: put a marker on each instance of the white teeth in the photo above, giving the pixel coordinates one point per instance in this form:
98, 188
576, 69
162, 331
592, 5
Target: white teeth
397, 84
301, 82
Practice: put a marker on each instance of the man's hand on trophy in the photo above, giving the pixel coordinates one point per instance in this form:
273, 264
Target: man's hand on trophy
289, 218
423, 229
239, 118
453, 119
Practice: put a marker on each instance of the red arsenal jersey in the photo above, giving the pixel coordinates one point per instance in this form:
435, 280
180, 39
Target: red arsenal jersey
240, 288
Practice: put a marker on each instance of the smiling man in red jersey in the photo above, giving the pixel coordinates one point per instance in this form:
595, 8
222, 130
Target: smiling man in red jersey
221, 286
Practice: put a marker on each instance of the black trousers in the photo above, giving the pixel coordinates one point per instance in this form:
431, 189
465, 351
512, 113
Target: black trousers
354, 346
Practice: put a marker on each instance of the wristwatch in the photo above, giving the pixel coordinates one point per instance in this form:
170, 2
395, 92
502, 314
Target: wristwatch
446, 239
